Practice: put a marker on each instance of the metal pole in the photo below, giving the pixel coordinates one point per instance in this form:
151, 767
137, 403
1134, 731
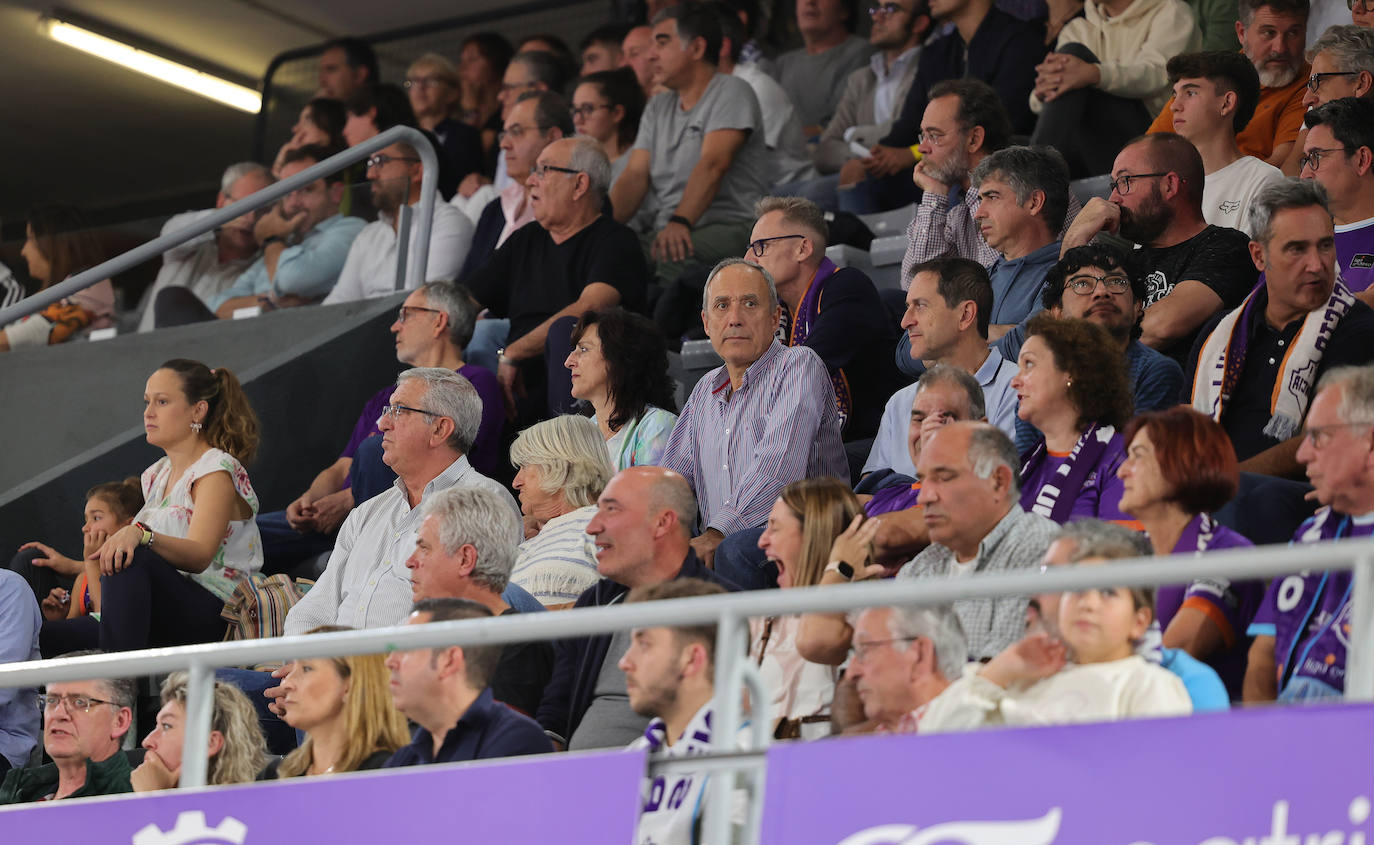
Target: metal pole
731, 649
761, 720
402, 244
429, 191
1359, 656
200, 703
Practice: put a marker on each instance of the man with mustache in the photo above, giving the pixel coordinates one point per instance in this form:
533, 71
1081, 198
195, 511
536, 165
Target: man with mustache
1272, 34
1193, 270
1255, 369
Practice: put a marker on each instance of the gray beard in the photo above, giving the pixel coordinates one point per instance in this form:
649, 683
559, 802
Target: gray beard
1278, 78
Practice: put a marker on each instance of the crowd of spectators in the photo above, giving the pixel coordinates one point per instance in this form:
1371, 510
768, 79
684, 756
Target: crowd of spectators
1156, 366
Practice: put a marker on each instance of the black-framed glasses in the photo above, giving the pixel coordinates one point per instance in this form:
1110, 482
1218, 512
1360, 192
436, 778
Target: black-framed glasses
884, 9
1317, 436
1084, 284
862, 650
585, 110
394, 411
759, 246
1315, 81
1122, 183
382, 159
542, 170
1313, 157
407, 310
84, 703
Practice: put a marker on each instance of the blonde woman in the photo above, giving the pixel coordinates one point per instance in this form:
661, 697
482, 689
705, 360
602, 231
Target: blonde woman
237, 751
563, 467
814, 521
344, 706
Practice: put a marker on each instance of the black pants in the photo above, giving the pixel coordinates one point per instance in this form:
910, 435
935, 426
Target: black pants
1088, 125
178, 306
148, 603
42, 579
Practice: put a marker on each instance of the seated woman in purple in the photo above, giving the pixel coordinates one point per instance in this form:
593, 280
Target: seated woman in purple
1072, 386
1179, 466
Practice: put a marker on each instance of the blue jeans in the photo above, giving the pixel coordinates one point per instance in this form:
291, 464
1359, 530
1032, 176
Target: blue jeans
488, 335
740, 560
281, 737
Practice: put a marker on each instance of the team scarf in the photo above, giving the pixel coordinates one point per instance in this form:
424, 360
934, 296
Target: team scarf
800, 326
1048, 500
1197, 535
1222, 360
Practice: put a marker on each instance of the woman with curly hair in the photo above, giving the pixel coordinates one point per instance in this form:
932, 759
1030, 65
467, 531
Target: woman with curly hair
237, 751
165, 578
619, 365
1071, 385
344, 707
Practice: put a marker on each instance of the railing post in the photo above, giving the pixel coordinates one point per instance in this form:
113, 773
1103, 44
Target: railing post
200, 703
732, 643
403, 216
761, 719
1359, 676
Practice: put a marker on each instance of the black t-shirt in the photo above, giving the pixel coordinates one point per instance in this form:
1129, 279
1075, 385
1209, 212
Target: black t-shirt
522, 674
1246, 414
1217, 257
530, 278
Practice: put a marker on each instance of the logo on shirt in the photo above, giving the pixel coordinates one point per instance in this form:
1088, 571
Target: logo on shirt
1362, 261
1156, 286
1228, 206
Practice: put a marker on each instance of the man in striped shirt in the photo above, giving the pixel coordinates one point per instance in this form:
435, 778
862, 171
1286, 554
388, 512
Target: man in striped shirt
763, 420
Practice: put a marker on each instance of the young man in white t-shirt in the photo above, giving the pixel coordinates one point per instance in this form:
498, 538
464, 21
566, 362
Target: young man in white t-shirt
1215, 95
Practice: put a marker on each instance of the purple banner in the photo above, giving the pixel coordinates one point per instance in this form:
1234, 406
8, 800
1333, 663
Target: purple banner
1258, 777
576, 798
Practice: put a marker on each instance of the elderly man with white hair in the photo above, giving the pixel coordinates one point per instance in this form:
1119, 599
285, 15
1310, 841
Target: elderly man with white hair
463, 550
575, 260
903, 658
563, 467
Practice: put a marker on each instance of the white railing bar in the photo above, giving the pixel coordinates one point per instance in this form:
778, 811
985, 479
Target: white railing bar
428, 184
1231, 563
715, 761
1359, 676
200, 701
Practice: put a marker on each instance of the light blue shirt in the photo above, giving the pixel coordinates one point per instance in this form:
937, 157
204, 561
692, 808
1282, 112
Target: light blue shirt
309, 269
1016, 284
20, 621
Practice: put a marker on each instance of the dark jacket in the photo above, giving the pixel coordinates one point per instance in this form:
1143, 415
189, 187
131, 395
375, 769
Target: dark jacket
577, 662
488, 729
108, 777
1003, 53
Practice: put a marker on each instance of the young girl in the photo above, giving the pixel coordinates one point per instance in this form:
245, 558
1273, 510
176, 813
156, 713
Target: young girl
109, 507
1090, 674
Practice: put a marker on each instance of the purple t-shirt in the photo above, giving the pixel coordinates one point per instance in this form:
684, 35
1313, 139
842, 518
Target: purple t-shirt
1100, 494
1308, 615
1231, 605
1355, 254
899, 497
485, 456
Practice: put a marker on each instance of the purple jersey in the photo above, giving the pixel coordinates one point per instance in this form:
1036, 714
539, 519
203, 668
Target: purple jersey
1308, 615
899, 497
1099, 494
1230, 605
1355, 254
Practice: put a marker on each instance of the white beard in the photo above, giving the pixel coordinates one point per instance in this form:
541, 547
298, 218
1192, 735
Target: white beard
1278, 78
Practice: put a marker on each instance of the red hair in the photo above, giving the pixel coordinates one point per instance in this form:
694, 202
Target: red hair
1195, 456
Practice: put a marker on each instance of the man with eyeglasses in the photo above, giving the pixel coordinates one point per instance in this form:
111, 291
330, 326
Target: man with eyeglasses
1272, 34
84, 723
903, 657
304, 242
572, 259
1192, 269
1339, 155
1254, 369
529, 72
370, 271
1302, 629
1342, 66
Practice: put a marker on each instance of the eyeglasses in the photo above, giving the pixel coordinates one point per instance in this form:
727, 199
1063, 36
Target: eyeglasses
1122, 184
1085, 284
1313, 157
1318, 436
515, 132
542, 170
884, 9
425, 81
382, 159
74, 702
394, 411
759, 246
509, 87
1315, 80
863, 650
934, 137
407, 310
585, 110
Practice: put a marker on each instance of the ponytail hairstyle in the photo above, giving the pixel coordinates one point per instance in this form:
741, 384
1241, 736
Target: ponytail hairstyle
230, 424
125, 497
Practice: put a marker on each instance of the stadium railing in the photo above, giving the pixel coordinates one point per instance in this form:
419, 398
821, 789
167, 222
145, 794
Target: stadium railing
731, 614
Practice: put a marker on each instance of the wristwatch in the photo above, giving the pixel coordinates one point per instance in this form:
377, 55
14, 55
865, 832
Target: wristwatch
846, 571
147, 538
502, 359
678, 218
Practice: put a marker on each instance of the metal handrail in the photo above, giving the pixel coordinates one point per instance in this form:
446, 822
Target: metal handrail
730, 612
429, 182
